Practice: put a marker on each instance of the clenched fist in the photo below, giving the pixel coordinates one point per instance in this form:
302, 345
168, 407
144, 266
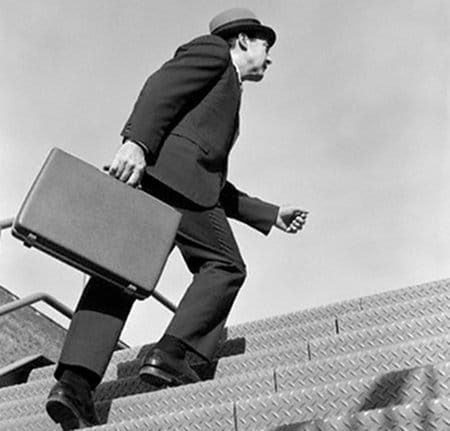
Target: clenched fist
291, 219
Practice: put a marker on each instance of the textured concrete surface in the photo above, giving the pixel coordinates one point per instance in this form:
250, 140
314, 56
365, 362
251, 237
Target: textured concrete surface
26, 332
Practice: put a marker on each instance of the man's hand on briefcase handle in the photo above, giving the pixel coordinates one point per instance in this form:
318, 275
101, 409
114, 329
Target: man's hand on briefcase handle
129, 164
291, 219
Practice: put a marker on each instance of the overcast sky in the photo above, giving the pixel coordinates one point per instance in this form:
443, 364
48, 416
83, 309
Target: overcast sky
350, 123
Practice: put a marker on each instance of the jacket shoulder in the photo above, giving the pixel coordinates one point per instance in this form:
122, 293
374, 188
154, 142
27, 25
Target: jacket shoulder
210, 43
211, 39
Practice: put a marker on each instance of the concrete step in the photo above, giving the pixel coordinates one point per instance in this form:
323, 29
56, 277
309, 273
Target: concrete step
430, 415
40, 422
30, 399
270, 339
364, 363
214, 418
415, 385
136, 391
376, 336
321, 348
237, 346
407, 294
394, 312
383, 355
202, 397
316, 349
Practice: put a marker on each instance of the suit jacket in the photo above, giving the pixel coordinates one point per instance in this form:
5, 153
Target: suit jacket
186, 116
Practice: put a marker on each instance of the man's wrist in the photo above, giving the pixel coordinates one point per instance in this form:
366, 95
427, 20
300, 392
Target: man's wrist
139, 144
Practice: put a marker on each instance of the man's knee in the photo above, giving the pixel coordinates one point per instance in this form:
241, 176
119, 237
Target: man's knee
230, 273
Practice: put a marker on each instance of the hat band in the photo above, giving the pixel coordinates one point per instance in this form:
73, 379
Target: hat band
235, 24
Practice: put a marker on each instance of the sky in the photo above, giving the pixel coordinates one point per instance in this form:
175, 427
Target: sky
350, 123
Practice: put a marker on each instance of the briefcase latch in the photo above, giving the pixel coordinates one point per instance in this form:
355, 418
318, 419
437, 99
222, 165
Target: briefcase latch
30, 240
134, 291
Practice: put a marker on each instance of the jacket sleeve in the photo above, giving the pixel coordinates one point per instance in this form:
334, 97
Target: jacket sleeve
178, 85
249, 210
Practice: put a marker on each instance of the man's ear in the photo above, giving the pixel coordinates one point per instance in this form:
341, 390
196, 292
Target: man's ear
242, 41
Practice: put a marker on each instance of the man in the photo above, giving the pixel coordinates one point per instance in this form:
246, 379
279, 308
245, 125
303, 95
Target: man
176, 145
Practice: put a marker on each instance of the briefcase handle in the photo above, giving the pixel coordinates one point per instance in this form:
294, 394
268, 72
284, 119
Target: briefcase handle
106, 169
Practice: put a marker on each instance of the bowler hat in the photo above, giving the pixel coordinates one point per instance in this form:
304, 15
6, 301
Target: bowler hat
233, 21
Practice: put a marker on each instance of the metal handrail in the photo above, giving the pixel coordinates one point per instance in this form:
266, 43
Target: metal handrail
49, 300
6, 224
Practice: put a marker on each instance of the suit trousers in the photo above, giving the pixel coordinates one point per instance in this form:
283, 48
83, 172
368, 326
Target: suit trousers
210, 251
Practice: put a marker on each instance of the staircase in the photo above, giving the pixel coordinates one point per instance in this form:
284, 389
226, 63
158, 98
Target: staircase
27, 332
380, 363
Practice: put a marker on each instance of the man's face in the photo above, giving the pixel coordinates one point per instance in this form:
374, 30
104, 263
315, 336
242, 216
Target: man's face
258, 58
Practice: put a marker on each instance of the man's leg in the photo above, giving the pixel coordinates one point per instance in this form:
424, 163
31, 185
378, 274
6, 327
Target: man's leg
208, 246
95, 328
93, 334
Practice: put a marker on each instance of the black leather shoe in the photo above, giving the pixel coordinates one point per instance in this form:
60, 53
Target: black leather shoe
161, 369
71, 407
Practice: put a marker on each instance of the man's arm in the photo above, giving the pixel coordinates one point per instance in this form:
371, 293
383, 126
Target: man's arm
259, 214
164, 99
172, 90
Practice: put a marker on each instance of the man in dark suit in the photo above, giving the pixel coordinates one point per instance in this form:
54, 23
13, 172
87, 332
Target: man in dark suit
176, 145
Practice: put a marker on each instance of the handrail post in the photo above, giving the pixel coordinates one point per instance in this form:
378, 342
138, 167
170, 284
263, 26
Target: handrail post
164, 301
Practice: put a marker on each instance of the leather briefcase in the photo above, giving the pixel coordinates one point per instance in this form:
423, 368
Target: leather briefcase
94, 222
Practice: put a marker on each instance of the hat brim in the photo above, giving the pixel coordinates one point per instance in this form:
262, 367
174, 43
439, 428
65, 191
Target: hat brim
233, 29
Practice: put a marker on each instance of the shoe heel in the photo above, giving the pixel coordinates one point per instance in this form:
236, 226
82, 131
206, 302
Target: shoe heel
63, 415
156, 376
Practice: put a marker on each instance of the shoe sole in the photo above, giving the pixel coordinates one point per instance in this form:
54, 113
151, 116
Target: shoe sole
158, 377
65, 414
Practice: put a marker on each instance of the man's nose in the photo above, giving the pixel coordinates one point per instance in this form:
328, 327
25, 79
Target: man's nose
268, 60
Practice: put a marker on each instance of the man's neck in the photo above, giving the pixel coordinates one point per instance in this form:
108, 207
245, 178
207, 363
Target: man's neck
237, 63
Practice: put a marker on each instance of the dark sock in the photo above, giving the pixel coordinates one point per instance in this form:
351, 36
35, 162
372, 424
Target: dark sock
80, 377
173, 346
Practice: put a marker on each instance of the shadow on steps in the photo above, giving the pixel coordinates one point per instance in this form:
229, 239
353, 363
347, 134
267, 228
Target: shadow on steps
131, 384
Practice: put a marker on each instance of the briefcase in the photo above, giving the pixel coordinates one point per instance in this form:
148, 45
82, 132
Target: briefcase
95, 223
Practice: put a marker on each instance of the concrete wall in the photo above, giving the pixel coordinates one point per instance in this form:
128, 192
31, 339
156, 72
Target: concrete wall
26, 332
